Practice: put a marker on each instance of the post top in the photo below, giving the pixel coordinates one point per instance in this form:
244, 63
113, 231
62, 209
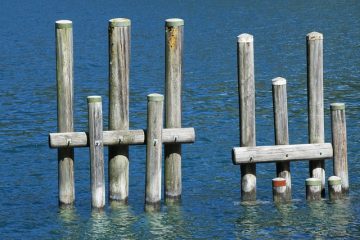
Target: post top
93, 99
155, 97
334, 180
314, 36
313, 182
279, 81
119, 22
174, 22
337, 106
63, 24
279, 182
245, 37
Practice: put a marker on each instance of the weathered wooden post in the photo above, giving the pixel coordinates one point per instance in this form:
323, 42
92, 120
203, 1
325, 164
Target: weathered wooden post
281, 130
154, 152
246, 81
119, 64
64, 77
313, 189
279, 190
96, 145
334, 188
338, 126
174, 30
314, 43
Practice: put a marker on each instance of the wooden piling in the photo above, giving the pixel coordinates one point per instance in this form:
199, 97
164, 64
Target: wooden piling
281, 131
174, 30
246, 82
314, 43
97, 176
313, 189
119, 65
279, 188
154, 152
338, 126
64, 77
334, 188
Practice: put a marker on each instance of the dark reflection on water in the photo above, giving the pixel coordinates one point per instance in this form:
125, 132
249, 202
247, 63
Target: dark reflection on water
210, 207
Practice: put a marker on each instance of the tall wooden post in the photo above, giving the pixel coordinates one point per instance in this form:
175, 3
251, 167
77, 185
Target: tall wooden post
174, 30
281, 130
154, 152
119, 65
64, 77
246, 81
96, 145
314, 43
338, 126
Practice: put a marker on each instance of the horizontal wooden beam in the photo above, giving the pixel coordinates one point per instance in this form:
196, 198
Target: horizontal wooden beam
120, 137
279, 153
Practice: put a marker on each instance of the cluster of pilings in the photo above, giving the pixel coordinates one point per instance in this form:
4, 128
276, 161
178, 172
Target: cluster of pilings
119, 137
247, 155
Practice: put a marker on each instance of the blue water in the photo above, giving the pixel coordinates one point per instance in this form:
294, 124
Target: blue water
211, 206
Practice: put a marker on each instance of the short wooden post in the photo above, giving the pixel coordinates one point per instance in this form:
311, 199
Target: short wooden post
279, 190
246, 81
334, 188
174, 29
154, 152
338, 125
64, 77
97, 177
313, 189
314, 43
281, 130
119, 64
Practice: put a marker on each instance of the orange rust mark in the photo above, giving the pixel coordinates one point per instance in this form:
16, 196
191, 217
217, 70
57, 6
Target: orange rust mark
173, 33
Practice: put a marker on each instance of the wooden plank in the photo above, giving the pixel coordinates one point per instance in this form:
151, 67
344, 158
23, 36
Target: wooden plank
119, 69
96, 152
246, 82
314, 43
338, 126
120, 137
154, 152
174, 29
64, 78
281, 133
276, 153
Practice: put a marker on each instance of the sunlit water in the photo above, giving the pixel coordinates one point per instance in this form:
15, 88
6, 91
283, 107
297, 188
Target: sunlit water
211, 206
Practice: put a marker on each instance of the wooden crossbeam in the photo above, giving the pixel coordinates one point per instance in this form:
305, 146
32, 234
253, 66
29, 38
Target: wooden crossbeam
279, 153
120, 137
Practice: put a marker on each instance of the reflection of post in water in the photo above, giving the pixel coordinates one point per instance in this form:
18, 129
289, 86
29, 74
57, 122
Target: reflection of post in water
100, 225
69, 220
68, 214
123, 219
248, 222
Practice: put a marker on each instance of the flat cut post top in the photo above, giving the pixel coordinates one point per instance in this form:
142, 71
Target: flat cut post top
334, 180
94, 99
119, 22
63, 24
279, 81
155, 97
337, 106
174, 22
245, 37
313, 182
314, 36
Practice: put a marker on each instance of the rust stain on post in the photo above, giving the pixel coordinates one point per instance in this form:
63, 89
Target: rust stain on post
173, 36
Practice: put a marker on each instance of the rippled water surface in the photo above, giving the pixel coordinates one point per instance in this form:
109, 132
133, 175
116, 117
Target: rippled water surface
211, 206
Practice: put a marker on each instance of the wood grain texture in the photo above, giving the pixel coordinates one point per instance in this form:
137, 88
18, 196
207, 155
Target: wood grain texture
314, 43
276, 153
313, 189
119, 69
121, 137
281, 131
97, 176
64, 78
334, 188
173, 81
339, 140
246, 84
154, 151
